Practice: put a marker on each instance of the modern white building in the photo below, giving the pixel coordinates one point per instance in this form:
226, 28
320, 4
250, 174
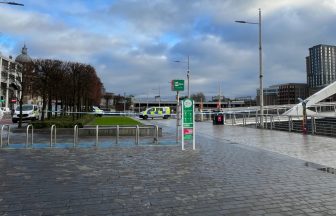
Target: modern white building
11, 79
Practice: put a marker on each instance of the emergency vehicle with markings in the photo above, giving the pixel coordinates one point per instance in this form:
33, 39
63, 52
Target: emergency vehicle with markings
30, 112
156, 112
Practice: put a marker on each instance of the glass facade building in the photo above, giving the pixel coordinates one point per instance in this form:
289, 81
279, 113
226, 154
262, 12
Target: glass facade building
321, 68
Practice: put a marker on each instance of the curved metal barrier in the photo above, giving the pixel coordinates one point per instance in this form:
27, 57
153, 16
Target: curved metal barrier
1, 135
137, 134
97, 134
151, 131
75, 142
52, 129
117, 134
27, 135
156, 134
136, 128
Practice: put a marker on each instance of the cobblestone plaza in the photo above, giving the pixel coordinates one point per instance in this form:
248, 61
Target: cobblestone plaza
230, 173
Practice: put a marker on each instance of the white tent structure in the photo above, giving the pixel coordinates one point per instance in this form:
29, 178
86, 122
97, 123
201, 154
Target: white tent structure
312, 100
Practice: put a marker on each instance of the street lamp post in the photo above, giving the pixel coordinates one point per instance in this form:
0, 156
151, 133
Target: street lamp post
124, 103
261, 90
188, 75
158, 95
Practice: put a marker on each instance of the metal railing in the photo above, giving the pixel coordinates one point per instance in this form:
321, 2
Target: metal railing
29, 141
315, 125
117, 129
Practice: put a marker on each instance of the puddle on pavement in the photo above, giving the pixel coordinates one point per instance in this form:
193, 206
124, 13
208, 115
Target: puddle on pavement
321, 167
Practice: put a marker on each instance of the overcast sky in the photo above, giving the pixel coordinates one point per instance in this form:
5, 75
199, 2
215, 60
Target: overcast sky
133, 43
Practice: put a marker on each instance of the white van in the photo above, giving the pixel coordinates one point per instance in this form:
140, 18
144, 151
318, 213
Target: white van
97, 111
29, 112
155, 112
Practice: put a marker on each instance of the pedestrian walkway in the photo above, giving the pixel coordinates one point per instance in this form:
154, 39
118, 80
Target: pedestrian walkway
228, 174
316, 149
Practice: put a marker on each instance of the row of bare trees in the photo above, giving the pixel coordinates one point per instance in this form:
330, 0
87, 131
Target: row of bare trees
71, 85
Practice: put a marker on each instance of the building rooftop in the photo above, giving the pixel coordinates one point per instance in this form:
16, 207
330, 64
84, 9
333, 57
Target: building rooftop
23, 57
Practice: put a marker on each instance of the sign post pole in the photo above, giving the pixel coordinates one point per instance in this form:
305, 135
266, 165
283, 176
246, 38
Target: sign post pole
194, 134
177, 85
182, 126
177, 115
188, 121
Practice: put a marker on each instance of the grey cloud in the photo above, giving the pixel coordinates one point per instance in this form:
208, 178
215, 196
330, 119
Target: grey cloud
125, 42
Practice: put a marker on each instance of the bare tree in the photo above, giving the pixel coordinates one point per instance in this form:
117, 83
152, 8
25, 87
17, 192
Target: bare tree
76, 86
198, 97
23, 83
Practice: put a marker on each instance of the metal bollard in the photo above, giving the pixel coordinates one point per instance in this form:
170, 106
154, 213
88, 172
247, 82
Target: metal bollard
32, 134
75, 136
156, 134
313, 125
53, 129
289, 124
137, 134
8, 130
97, 134
117, 134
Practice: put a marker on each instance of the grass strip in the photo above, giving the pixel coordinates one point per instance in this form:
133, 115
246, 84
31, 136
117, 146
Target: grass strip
114, 120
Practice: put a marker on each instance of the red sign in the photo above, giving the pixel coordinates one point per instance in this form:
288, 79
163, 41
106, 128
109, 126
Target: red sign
187, 131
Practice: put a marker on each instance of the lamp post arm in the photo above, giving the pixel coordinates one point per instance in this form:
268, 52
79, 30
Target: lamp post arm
246, 22
11, 3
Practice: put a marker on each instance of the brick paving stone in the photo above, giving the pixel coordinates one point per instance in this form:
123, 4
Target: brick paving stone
219, 178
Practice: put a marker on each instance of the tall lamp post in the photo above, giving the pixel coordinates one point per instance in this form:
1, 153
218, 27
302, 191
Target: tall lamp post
261, 89
188, 74
159, 96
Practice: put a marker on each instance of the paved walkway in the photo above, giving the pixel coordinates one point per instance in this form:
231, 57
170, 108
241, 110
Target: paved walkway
316, 149
226, 175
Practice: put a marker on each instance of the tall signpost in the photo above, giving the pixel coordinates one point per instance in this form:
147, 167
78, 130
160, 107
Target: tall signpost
188, 121
177, 85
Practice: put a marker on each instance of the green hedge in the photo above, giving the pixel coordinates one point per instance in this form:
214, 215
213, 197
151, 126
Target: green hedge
63, 122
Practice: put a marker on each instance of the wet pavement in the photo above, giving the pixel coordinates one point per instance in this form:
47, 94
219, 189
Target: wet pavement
234, 171
316, 149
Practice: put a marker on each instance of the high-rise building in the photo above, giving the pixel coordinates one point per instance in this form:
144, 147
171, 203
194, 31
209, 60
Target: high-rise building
321, 68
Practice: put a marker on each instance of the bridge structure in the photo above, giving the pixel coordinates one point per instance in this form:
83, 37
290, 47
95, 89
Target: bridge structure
312, 101
311, 107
